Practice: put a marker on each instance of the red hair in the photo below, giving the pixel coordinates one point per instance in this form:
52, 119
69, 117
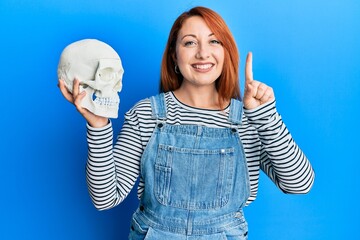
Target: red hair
227, 84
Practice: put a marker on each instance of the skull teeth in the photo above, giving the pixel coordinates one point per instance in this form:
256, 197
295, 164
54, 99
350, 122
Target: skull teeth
106, 101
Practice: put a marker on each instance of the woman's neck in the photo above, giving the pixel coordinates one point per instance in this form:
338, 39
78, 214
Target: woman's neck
205, 97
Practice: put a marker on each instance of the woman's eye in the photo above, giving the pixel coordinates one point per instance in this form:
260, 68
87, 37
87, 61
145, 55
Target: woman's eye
215, 41
189, 43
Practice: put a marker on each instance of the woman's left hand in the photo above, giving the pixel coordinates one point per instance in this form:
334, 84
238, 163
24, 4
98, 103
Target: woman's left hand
256, 93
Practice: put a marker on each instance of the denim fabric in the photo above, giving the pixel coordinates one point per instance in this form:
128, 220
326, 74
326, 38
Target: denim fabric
196, 181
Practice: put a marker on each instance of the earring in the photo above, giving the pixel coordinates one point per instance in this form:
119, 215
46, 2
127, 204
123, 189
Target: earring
177, 69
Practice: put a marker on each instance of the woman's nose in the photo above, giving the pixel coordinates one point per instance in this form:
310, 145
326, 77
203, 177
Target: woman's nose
203, 52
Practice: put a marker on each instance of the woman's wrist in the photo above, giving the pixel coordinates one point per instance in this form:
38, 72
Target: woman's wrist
99, 123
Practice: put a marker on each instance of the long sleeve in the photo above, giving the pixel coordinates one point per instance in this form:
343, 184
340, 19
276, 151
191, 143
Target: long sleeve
111, 172
281, 158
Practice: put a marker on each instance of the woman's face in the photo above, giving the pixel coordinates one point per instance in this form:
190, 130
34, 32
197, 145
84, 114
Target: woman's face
199, 54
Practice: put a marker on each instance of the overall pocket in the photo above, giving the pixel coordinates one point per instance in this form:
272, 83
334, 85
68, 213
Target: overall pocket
240, 232
237, 234
138, 230
193, 178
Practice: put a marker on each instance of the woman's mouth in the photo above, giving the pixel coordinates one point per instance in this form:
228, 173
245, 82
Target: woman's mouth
203, 67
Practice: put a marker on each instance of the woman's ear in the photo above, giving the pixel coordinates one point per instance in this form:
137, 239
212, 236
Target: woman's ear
173, 56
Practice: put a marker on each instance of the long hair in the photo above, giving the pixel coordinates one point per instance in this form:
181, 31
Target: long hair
227, 84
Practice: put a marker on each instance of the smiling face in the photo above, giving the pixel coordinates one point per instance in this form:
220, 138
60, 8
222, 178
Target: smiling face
199, 54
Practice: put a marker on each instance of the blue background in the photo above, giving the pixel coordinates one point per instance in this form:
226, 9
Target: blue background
308, 51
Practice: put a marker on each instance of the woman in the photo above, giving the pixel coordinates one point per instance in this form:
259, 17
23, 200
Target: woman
197, 148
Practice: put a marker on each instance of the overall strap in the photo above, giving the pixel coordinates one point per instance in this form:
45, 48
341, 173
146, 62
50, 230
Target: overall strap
236, 111
158, 106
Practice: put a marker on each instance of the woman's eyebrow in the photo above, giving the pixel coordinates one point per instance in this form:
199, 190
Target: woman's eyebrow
188, 35
194, 36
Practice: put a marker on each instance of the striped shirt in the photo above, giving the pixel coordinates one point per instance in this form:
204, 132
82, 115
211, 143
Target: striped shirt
112, 170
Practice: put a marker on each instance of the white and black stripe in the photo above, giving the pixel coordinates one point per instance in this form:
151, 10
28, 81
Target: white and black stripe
112, 170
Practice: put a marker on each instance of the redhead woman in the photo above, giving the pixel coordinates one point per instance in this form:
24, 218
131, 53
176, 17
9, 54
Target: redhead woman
198, 146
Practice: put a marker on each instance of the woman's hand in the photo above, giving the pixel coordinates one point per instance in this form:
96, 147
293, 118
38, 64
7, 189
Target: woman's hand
256, 93
75, 98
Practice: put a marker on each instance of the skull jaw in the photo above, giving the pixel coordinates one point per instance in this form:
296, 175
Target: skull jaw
101, 106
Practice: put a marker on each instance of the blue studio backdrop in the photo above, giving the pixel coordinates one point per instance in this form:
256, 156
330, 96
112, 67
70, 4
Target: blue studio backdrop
308, 51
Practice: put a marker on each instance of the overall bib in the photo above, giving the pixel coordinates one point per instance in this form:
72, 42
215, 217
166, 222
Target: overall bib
196, 181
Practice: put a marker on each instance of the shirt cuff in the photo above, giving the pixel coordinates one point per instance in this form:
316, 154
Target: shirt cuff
98, 131
261, 113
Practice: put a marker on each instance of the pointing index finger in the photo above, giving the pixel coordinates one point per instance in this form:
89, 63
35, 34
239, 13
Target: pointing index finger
248, 69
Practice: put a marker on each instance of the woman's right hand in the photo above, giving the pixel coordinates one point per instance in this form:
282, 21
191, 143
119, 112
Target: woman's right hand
75, 98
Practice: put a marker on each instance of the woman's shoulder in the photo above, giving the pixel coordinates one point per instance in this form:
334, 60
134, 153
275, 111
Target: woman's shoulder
143, 106
140, 106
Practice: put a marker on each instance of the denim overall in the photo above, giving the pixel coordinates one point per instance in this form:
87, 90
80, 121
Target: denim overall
196, 181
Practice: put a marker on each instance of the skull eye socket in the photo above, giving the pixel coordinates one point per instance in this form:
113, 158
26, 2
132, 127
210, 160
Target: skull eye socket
107, 74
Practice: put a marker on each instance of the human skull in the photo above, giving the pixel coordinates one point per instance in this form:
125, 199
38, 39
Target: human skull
98, 68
